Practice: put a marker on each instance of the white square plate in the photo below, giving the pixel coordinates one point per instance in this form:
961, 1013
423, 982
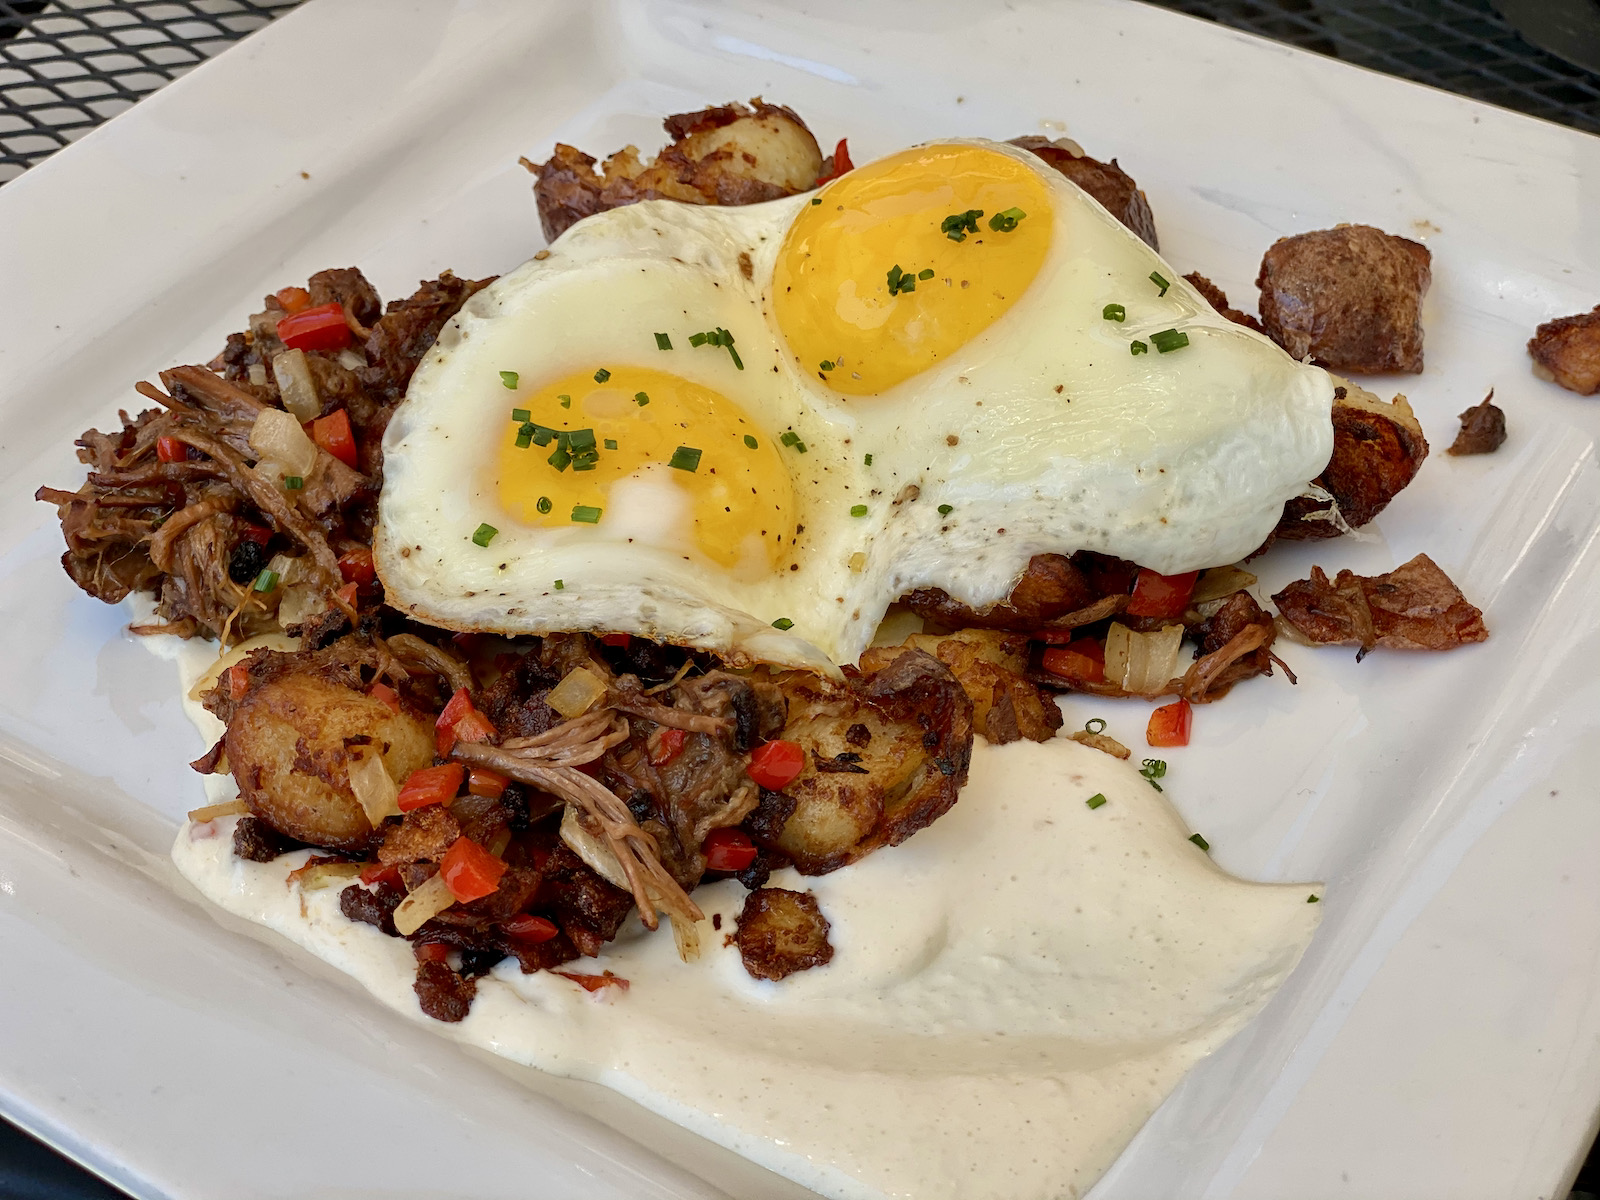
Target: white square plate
1440, 1037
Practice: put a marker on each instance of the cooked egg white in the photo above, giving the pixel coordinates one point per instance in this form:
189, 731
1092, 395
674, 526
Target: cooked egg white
837, 439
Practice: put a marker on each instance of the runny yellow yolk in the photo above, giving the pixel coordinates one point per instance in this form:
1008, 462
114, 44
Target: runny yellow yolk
741, 498
831, 294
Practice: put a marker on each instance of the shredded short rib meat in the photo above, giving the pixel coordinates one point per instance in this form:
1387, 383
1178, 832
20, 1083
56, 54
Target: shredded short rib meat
1349, 297
1413, 607
1483, 429
1567, 351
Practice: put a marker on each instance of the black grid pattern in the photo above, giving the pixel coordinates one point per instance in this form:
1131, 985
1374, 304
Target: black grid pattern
68, 65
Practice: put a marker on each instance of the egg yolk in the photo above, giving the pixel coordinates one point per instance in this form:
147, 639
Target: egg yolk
583, 435
905, 260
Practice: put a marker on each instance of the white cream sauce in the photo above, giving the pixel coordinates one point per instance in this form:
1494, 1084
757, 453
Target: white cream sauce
1013, 991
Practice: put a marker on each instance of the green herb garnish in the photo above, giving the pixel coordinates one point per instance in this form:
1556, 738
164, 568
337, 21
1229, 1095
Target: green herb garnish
1313, 898
901, 281
1201, 842
1096, 800
566, 401
293, 483
521, 415
858, 510
1155, 278
685, 458
1114, 312
816, 199
826, 364
586, 514
1137, 348
750, 441
957, 225
641, 398
602, 375
1089, 725
789, 437
925, 273
783, 623
867, 461
718, 337
544, 505
611, 443
946, 509
663, 342
560, 587
1006, 221
1152, 770
266, 581
483, 535
1169, 340
509, 379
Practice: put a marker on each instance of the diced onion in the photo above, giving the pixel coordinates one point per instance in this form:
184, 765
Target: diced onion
422, 905
593, 850
1142, 664
228, 808
300, 602
374, 789
267, 641
288, 568
258, 374
315, 877
276, 435
1219, 582
686, 937
352, 360
295, 385
575, 695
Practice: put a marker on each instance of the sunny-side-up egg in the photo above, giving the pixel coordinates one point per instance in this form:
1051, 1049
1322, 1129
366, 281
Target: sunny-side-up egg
752, 429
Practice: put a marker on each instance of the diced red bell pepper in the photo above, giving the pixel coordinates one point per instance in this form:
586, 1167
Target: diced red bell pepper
259, 534
356, 566
461, 722
334, 435
293, 299
481, 781
594, 983
1169, 725
346, 595
1083, 660
238, 681
775, 765
431, 951
728, 849
374, 873
841, 162
474, 727
382, 691
170, 450
1161, 595
666, 745
618, 639
470, 871
526, 927
431, 785
319, 328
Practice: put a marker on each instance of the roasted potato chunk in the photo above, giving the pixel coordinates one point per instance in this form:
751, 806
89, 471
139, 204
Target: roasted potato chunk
1218, 299
781, 932
289, 745
1108, 183
1567, 351
732, 154
1049, 587
991, 667
886, 753
1349, 297
1377, 450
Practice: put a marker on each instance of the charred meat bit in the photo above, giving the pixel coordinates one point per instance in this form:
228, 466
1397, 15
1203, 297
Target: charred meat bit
728, 155
1108, 183
1349, 297
1050, 586
256, 841
1218, 299
1567, 351
442, 994
375, 907
1483, 429
1413, 607
423, 835
781, 932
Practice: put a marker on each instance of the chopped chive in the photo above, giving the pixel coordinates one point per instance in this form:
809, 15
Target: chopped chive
521, 415
800, 446
566, 401
816, 199
826, 364
867, 461
293, 483
789, 437
483, 535
698, 339
1155, 278
685, 458
586, 514
611, 443
602, 375
783, 623
266, 581
750, 441
525, 437
925, 273
946, 509
580, 441
585, 464
559, 458
957, 225
560, 587
1006, 220
663, 342
1169, 340
1201, 842
1089, 725
1152, 770
544, 504
1313, 898
1114, 312
1137, 347
1096, 800
858, 510
509, 379
727, 344
641, 398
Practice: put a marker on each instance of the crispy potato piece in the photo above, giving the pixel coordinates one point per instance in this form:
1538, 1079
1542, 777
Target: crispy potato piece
1413, 607
781, 932
1218, 299
1108, 183
1483, 429
886, 754
1049, 587
991, 667
289, 743
1377, 450
732, 154
1349, 297
1567, 351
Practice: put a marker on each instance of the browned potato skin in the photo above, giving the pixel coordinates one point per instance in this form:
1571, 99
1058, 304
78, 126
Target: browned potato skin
289, 743
909, 726
1378, 449
1108, 183
781, 932
991, 667
1049, 587
730, 155
1567, 351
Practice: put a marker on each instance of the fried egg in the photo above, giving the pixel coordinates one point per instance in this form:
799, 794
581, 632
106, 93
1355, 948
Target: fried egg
751, 429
